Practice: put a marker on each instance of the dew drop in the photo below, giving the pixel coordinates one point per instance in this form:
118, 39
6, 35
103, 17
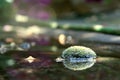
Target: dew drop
78, 58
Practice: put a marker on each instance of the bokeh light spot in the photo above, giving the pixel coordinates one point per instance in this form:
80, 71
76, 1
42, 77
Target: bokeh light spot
10, 62
7, 28
97, 27
54, 24
30, 59
61, 39
21, 18
9, 1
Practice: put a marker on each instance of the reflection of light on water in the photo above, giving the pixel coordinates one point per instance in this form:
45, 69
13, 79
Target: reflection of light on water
74, 60
66, 26
29, 70
21, 18
59, 59
9, 1
30, 59
30, 31
54, 24
69, 40
7, 28
97, 27
12, 45
54, 48
33, 30
25, 46
3, 49
106, 59
61, 39
10, 62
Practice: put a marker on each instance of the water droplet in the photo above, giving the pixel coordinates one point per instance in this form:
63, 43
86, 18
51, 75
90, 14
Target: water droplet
78, 58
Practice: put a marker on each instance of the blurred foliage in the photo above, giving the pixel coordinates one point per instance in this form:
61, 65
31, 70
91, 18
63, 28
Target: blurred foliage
7, 11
